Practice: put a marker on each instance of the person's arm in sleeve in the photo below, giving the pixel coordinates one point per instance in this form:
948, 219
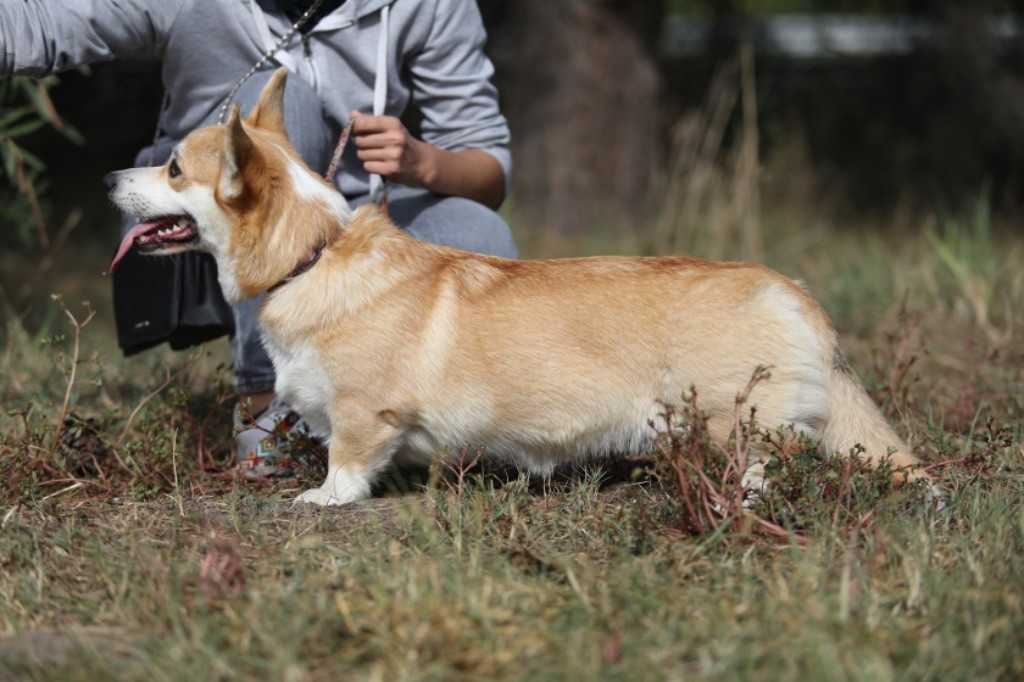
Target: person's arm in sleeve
38, 37
464, 151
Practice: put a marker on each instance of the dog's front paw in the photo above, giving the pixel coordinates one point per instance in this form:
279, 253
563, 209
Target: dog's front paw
324, 498
341, 487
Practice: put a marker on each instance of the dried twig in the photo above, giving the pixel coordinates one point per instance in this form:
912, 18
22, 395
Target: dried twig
73, 368
152, 394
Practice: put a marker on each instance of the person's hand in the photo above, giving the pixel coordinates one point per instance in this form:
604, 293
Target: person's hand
387, 149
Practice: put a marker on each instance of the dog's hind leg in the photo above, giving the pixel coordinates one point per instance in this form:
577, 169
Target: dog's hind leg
360, 446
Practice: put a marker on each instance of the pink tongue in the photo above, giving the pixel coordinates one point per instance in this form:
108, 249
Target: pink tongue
129, 240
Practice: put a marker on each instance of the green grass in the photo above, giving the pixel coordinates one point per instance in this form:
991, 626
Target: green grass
149, 562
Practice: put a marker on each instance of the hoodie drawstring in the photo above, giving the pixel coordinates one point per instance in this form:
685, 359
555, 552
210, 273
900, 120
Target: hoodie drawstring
269, 44
380, 93
380, 83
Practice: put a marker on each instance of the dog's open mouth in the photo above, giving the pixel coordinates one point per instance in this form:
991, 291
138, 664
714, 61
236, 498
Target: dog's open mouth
158, 234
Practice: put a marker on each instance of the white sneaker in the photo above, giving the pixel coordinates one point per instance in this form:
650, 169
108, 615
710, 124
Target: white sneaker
263, 444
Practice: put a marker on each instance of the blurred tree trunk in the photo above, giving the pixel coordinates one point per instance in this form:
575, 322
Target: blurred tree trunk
582, 99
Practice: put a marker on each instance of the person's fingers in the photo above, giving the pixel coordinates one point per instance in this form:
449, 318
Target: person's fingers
363, 124
376, 140
385, 168
381, 154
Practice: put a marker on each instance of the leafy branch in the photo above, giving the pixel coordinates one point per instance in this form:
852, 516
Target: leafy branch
25, 107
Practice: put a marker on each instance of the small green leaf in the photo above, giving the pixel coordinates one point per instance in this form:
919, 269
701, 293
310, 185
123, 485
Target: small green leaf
25, 128
31, 160
72, 134
39, 103
12, 115
9, 152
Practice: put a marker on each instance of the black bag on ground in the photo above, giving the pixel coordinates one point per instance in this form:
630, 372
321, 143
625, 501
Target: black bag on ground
168, 298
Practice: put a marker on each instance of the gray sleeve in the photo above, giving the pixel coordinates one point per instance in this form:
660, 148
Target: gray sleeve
38, 37
452, 86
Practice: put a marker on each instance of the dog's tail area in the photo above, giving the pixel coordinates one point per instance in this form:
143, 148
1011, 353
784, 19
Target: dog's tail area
855, 419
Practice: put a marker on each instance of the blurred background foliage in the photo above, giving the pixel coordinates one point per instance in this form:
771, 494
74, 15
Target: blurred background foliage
661, 126
709, 8
25, 107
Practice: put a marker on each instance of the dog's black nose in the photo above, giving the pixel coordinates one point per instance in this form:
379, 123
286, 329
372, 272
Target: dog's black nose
110, 179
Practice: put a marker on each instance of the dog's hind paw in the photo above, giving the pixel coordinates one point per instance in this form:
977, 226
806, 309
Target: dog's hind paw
935, 496
754, 483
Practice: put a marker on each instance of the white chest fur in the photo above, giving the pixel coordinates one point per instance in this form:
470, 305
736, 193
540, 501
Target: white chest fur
301, 381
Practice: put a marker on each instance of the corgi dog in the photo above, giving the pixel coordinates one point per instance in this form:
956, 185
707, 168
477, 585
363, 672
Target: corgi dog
398, 349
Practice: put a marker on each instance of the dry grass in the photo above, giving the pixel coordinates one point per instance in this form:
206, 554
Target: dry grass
126, 551
709, 195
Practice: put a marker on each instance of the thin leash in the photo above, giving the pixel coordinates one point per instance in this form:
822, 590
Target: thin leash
339, 149
266, 57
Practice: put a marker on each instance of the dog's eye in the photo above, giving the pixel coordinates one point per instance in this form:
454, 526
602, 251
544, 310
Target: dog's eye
174, 170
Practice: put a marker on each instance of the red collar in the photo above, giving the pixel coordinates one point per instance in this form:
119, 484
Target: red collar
305, 264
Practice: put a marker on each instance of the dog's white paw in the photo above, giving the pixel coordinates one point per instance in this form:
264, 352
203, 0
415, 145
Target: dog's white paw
341, 487
935, 496
753, 480
324, 498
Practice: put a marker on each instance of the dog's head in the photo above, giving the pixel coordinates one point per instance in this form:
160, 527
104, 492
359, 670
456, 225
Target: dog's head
238, 191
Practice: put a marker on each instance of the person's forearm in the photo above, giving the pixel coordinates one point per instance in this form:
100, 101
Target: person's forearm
387, 148
473, 174
39, 38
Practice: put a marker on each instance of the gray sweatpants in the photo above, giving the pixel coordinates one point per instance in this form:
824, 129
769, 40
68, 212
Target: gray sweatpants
451, 221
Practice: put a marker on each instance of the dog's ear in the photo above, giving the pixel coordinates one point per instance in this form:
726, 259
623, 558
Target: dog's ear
268, 113
236, 151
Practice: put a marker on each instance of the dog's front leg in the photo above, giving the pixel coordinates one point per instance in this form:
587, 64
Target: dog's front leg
360, 446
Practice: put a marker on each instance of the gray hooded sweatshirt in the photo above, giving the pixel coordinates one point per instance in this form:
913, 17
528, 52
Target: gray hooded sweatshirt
425, 52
